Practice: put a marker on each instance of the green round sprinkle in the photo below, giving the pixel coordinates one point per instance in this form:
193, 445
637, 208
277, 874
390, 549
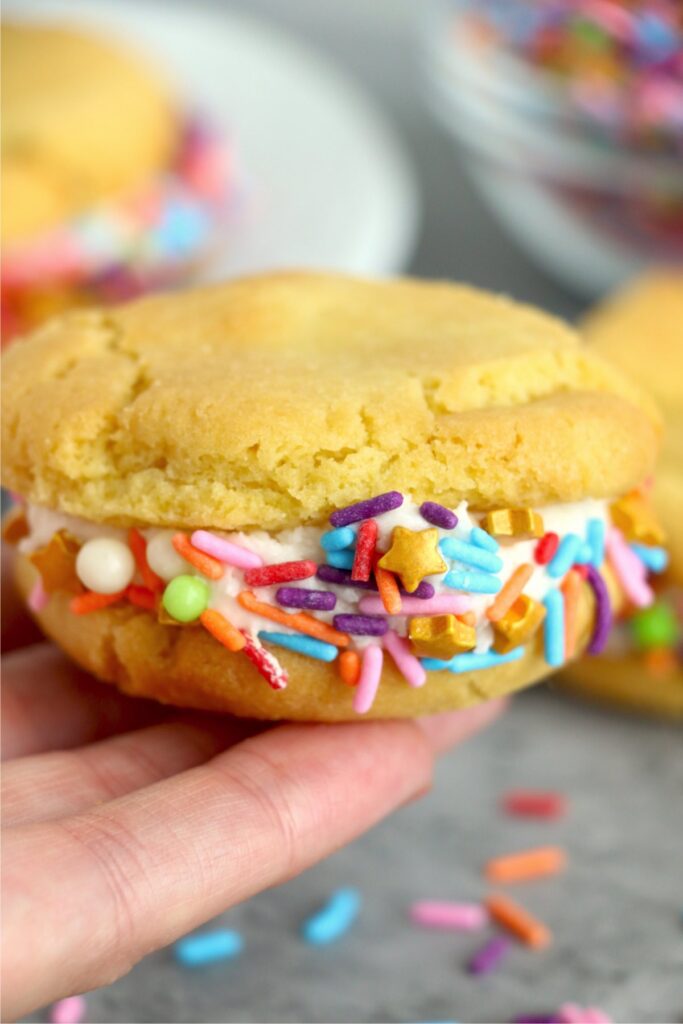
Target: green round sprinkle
185, 598
654, 627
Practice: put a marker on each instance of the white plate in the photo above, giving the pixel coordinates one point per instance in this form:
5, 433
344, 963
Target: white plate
327, 182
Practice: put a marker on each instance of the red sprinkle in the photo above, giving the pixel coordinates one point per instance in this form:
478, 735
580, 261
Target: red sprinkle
143, 597
546, 548
581, 570
138, 545
284, 572
265, 662
365, 550
534, 803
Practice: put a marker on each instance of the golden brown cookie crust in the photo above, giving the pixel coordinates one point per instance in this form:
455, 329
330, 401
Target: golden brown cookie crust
268, 402
625, 683
82, 120
186, 667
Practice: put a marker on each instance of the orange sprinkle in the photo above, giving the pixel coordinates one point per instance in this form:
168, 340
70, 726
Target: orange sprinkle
388, 589
468, 618
349, 667
222, 630
205, 564
90, 601
517, 920
138, 545
301, 621
527, 864
571, 588
143, 597
509, 593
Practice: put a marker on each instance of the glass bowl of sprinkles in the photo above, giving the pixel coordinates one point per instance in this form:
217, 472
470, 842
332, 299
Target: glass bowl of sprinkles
570, 113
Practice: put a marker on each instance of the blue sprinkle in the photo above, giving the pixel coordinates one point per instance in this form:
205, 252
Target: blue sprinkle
307, 645
595, 531
475, 582
565, 555
334, 919
483, 539
470, 554
337, 540
183, 228
553, 630
208, 947
584, 554
654, 559
470, 661
341, 559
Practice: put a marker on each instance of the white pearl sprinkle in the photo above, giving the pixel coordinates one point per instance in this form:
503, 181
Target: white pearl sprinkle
163, 559
105, 565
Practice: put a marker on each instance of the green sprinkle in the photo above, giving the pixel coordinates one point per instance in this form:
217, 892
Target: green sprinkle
185, 598
654, 627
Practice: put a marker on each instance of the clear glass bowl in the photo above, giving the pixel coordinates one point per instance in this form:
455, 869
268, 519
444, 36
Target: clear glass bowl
593, 211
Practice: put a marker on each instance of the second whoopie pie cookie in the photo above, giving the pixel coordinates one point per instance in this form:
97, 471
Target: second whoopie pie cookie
310, 496
641, 330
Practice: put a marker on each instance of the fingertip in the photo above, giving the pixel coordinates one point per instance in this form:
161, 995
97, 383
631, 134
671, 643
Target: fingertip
450, 728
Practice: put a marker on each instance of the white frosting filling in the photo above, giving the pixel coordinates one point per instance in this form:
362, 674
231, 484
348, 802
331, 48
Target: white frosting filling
304, 543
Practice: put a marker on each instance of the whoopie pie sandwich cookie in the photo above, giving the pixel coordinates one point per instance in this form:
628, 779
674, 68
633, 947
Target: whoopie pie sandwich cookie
309, 496
641, 330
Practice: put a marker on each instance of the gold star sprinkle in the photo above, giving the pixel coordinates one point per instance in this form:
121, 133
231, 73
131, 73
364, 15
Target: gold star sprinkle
440, 636
518, 625
513, 522
56, 563
633, 515
413, 555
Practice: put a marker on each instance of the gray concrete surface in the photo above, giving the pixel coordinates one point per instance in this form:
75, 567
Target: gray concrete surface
616, 913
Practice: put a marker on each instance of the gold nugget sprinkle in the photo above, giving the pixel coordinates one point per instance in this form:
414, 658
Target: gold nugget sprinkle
633, 515
440, 636
514, 522
518, 625
14, 526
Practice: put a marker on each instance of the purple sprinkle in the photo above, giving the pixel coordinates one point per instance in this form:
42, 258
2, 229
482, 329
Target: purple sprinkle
489, 956
367, 509
603, 611
294, 597
342, 578
438, 515
361, 625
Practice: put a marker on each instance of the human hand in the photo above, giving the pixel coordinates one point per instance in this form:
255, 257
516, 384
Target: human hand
127, 824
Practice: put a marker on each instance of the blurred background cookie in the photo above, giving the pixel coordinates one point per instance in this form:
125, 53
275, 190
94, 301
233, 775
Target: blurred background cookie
641, 330
109, 187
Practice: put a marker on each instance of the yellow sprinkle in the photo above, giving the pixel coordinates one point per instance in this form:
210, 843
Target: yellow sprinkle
413, 555
518, 625
633, 515
513, 522
440, 636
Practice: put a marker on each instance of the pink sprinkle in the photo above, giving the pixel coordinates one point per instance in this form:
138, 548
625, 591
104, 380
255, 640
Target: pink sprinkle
225, 550
461, 917
408, 665
442, 604
38, 598
370, 675
629, 569
592, 1015
68, 1011
569, 1013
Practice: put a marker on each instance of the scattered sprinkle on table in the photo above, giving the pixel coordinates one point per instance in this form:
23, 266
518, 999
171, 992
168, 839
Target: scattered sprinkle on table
334, 919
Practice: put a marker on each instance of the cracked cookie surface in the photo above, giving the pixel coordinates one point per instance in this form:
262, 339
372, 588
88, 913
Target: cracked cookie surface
269, 401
